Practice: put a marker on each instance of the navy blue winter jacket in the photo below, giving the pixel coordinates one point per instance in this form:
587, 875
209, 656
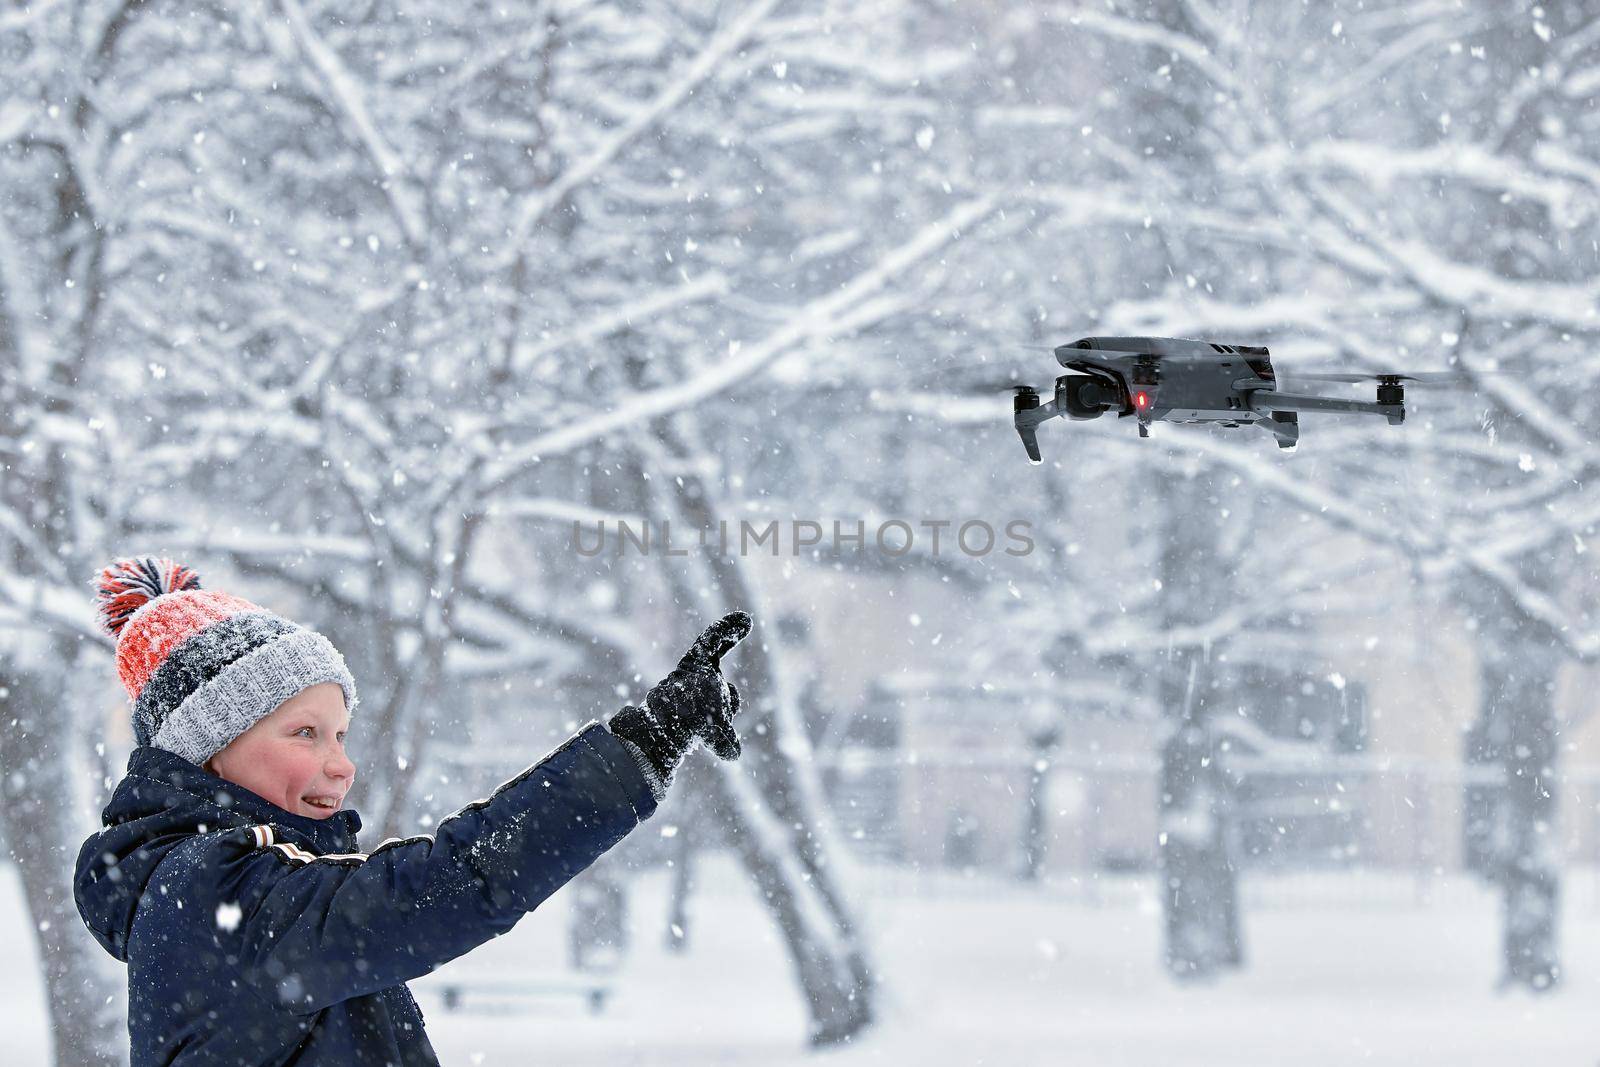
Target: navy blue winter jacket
259, 938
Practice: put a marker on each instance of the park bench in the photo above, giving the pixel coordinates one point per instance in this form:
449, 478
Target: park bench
507, 995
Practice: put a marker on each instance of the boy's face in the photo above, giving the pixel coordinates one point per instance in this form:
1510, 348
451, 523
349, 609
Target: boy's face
295, 756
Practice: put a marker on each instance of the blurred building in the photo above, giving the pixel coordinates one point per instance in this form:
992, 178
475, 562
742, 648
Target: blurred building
1348, 754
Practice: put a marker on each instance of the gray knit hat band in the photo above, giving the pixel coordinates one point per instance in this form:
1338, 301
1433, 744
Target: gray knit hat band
198, 659
248, 690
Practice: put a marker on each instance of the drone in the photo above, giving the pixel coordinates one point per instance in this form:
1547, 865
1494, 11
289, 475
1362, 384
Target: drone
1179, 379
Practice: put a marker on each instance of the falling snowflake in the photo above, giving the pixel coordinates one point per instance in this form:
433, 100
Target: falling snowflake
228, 916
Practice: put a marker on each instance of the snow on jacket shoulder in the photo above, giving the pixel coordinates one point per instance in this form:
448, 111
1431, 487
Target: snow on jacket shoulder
254, 936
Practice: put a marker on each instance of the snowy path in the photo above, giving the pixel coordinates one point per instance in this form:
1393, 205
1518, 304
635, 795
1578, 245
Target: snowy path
993, 974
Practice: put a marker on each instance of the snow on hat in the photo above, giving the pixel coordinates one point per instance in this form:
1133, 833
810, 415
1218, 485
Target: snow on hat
202, 667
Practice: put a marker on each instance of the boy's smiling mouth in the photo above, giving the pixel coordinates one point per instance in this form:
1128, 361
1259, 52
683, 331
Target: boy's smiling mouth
326, 802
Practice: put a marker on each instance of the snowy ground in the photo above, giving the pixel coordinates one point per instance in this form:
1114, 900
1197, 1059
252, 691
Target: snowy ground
989, 973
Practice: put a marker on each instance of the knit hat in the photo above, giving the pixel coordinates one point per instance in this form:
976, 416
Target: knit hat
202, 667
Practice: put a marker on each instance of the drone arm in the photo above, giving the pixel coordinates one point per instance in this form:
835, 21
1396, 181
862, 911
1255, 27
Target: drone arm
1266, 401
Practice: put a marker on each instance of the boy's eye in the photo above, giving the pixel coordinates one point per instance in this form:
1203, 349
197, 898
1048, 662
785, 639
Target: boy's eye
305, 730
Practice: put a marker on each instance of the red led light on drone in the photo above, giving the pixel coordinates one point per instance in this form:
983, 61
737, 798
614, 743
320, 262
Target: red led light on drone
1141, 400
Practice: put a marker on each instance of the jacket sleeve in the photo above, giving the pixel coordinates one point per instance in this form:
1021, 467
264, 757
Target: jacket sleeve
310, 931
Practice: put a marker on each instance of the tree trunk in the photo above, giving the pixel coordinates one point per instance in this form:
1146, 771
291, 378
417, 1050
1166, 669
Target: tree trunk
684, 847
827, 964
1199, 880
1034, 824
780, 824
42, 834
1200, 891
771, 803
846, 1006
1518, 674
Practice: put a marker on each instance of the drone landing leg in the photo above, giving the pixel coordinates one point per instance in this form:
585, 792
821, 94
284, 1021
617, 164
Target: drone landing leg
1027, 417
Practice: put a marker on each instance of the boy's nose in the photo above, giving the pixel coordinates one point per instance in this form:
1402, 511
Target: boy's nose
339, 766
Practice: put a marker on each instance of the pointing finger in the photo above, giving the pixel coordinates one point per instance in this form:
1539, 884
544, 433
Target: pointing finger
718, 639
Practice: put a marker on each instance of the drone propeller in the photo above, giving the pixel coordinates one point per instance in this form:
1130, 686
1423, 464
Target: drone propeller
988, 386
1420, 378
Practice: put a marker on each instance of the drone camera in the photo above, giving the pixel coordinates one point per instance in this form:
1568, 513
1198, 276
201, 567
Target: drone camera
1084, 397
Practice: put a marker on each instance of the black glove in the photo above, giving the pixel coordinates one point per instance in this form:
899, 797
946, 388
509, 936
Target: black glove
692, 703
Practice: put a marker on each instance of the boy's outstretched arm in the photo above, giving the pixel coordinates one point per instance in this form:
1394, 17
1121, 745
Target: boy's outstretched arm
307, 932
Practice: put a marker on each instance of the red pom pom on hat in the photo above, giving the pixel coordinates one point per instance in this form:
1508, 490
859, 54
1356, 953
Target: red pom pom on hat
129, 584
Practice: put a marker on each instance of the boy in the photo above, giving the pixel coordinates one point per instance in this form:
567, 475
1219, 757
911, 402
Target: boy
227, 876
